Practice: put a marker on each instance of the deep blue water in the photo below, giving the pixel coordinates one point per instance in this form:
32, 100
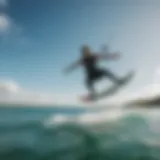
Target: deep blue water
71, 133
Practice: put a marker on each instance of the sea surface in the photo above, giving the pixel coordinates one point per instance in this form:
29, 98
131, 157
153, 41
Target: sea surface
76, 133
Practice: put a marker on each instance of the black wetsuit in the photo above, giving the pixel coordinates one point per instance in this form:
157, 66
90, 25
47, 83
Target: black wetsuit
93, 72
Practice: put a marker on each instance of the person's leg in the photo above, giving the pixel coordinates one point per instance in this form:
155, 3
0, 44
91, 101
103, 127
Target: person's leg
90, 86
111, 76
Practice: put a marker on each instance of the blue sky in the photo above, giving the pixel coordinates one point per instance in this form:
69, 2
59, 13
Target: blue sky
38, 39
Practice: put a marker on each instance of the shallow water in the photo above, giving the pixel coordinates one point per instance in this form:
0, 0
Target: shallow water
68, 133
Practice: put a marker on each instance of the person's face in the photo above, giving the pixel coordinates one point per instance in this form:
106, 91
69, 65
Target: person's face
86, 51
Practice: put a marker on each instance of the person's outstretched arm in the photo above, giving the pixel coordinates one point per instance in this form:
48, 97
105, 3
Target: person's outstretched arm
73, 66
108, 56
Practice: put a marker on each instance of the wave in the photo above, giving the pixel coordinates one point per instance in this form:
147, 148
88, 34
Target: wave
113, 135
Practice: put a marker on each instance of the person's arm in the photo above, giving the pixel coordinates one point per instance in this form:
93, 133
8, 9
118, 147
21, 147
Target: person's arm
108, 56
73, 66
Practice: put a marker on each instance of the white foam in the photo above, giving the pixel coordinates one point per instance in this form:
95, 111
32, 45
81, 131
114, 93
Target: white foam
86, 118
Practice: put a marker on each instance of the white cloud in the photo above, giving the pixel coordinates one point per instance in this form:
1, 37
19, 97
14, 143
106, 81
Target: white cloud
148, 91
9, 29
5, 24
153, 88
12, 93
9, 87
3, 3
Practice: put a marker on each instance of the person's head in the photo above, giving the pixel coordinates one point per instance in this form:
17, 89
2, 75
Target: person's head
86, 51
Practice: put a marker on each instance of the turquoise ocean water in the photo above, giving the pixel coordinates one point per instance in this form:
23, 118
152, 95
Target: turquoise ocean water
72, 133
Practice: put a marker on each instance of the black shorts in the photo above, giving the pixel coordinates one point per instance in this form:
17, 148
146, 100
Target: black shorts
96, 74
